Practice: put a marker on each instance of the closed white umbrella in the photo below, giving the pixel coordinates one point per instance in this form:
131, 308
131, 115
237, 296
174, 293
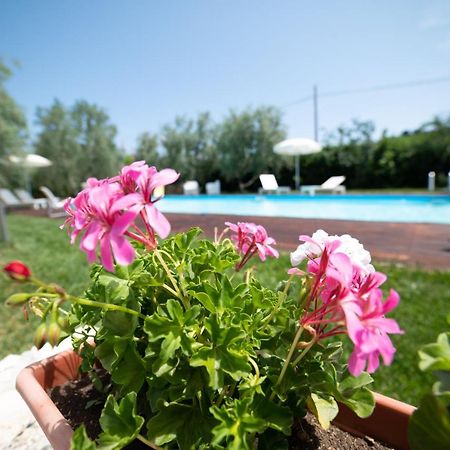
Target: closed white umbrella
31, 160
28, 162
297, 147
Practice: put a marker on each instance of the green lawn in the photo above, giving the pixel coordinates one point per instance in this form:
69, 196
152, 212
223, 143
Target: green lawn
422, 311
46, 249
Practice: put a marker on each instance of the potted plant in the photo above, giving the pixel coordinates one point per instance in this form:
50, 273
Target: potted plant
196, 352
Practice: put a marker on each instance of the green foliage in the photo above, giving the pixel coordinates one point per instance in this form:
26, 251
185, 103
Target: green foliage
188, 147
392, 161
80, 141
147, 149
201, 358
245, 144
13, 131
430, 423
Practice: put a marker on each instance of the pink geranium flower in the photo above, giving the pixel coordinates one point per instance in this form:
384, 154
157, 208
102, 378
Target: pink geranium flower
141, 179
250, 239
345, 297
147, 181
104, 213
110, 216
368, 328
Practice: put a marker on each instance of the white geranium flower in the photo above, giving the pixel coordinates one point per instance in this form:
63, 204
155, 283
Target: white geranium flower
348, 245
308, 249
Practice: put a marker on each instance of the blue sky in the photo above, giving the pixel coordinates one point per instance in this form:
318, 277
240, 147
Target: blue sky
146, 61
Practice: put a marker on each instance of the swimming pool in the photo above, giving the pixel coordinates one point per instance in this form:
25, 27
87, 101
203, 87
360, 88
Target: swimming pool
384, 208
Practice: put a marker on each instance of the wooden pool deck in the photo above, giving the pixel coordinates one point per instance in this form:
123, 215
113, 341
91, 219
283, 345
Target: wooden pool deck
413, 244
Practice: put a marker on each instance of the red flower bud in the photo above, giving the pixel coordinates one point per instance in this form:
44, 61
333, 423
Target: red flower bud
17, 270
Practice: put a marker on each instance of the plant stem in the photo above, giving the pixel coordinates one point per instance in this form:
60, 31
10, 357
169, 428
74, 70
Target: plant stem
279, 302
148, 443
255, 366
305, 351
172, 279
288, 357
222, 395
110, 306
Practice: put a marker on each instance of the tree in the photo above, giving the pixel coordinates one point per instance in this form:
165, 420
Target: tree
80, 143
147, 149
57, 141
245, 144
100, 156
13, 131
189, 147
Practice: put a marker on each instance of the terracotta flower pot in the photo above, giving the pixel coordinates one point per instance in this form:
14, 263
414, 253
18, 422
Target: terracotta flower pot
388, 423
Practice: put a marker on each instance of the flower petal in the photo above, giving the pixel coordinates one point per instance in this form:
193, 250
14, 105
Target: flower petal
157, 221
123, 251
105, 248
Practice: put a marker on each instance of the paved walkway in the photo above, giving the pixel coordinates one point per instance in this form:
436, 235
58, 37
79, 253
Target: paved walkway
18, 428
413, 244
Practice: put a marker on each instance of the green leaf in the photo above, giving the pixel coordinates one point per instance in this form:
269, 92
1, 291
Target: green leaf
221, 297
80, 440
110, 352
275, 416
429, 426
350, 383
353, 392
175, 329
236, 422
183, 423
362, 402
121, 359
184, 240
436, 356
130, 371
119, 422
324, 408
442, 386
222, 354
116, 290
121, 323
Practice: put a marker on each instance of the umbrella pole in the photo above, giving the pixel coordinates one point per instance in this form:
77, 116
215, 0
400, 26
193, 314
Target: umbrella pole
297, 172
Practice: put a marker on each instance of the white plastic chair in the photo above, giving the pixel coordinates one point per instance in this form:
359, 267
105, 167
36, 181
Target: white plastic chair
191, 187
55, 206
213, 187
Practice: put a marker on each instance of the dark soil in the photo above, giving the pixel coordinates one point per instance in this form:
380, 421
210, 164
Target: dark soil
80, 403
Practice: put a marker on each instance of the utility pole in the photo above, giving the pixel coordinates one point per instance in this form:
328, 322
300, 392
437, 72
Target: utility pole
316, 114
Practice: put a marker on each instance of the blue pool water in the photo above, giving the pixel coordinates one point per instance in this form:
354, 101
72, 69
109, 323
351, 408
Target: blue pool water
385, 208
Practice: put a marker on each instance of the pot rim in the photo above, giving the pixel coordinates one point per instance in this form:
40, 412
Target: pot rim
388, 423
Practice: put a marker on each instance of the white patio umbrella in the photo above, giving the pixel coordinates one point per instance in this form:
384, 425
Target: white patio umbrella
28, 162
31, 160
297, 147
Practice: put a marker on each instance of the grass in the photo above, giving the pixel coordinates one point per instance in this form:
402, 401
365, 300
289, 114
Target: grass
421, 313
46, 249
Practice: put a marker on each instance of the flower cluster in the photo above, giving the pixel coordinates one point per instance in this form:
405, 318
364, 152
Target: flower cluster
105, 213
345, 297
250, 239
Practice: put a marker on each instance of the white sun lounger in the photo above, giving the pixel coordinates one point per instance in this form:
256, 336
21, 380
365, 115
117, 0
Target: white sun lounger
333, 185
270, 185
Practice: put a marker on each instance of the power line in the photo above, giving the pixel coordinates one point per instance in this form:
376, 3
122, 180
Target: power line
376, 88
